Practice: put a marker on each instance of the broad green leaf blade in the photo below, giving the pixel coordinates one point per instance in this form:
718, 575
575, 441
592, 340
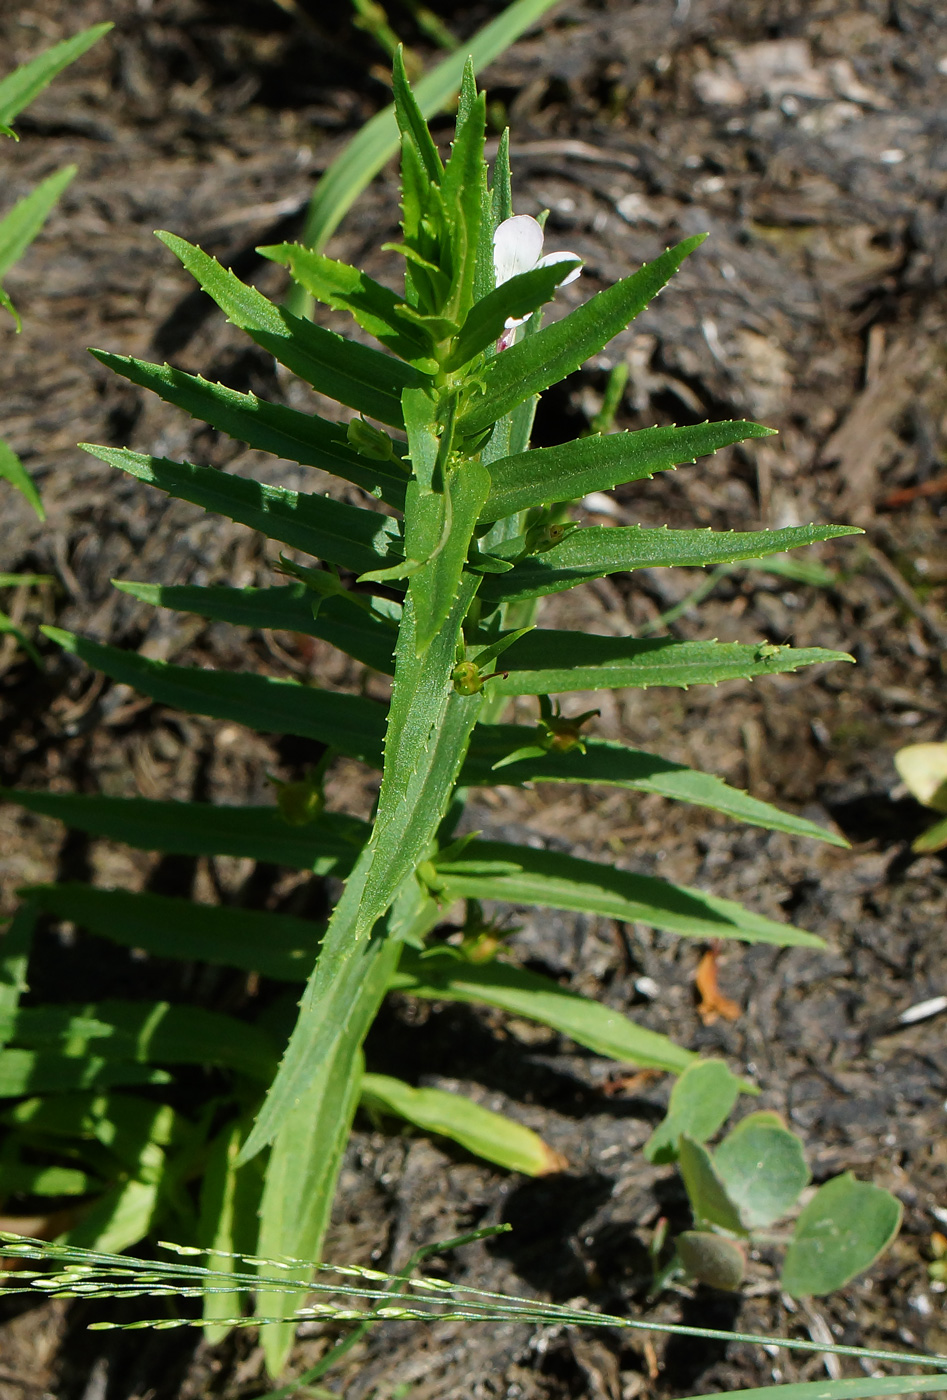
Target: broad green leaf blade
300, 437
429, 727
706, 1192
615, 765
350, 723
532, 365
306, 1157
50, 1072
276, 945
377, 309
712, 1259
594, 551
18, 1178
763, 1168
366, 635
598, 463
700, 1103
522, 875
377, 141
15, 944
148, 1033
13, 470
519, 297
839, 1234
492, 1136
545, 662
120, 1218
599, 1028
933, 839
353, 538
20, 226
326, 846
229, 1201
362, 378
20, 87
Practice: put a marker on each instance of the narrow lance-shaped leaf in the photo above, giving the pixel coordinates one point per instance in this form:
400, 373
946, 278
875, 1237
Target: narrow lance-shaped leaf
377, 309
599, 1028
50, 1072
361, 632
546, 662
597, 463
349, 723
301, 437
13, 470
365, 379
493, 1136
20, 87
593, 551
346, 535
429, 727
327, 845
522, 875
532, 365
276, 945
615, 765
20, 226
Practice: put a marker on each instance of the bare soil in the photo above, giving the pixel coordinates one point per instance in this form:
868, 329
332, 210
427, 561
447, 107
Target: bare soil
808, 138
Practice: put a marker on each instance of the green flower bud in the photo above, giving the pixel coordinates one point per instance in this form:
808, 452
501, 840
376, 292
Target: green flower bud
369, 441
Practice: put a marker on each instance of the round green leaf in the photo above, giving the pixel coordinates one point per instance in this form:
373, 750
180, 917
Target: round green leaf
763, 1167
712, 1259
842, 1230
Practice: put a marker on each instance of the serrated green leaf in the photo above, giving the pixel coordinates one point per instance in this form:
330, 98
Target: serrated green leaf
276, 945
839, 1234
350, 723
594, 551
327, 845
706, 1192
763, 1168
518, 297
492, 1136
599, 1028
615, 765
546, 662
20, 226
147, 1033
549, 474
25, 83
429, 727
522, 875
362, 378
346, 535
13, 470
367, 636
411, 123
700, 1103
301, 437
435, 587
377, 140
533, 364
377, 309
464, 185
48, 1072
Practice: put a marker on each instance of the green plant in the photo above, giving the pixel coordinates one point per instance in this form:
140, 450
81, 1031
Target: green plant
23, 222
923, 770
404, 1296
750, 1182
449, 580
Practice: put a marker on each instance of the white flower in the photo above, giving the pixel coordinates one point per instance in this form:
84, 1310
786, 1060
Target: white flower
518, 247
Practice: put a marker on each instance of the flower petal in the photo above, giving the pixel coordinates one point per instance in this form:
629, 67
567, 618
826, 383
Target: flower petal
517, 245
548, 258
